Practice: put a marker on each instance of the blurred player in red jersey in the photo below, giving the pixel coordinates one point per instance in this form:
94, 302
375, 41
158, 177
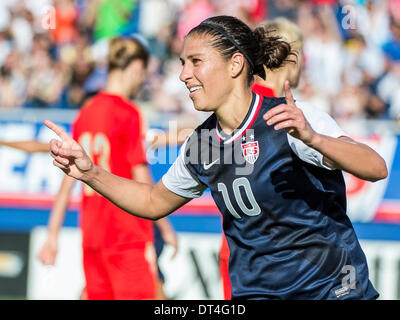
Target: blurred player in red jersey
163, 229
272, 86
118, 252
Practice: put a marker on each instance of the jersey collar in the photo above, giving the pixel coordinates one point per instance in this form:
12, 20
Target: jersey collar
246, 124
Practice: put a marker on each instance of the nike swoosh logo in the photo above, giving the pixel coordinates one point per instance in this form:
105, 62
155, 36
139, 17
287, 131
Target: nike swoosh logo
208, 166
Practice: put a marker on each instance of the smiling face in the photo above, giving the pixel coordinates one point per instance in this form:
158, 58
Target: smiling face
205, 73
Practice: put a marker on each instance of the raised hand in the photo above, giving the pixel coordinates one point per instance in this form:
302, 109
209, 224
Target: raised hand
290, 118
68, 155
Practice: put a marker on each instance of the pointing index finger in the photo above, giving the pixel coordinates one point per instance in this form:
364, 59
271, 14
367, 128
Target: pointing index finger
58, 130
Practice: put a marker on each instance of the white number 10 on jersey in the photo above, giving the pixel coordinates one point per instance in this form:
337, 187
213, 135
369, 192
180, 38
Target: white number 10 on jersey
254, 210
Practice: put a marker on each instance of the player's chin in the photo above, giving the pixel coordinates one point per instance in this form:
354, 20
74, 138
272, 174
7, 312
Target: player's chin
197, 106
201, 106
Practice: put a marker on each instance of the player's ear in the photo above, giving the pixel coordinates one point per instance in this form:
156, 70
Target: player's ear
133, 71
236, 64
134, 66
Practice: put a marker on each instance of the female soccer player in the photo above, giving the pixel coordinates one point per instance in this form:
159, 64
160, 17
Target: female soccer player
271, 86
276, 181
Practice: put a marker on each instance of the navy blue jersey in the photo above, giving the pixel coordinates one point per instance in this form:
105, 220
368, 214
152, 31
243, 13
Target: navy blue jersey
284, 211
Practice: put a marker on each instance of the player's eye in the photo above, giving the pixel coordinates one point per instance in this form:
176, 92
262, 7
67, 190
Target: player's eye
196, 61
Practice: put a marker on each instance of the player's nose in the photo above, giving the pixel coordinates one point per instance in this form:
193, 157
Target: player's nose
186, 73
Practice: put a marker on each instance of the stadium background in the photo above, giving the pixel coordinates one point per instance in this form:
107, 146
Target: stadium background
52, 54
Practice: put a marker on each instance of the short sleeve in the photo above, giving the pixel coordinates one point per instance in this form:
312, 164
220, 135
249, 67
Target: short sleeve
180, 180
322, 123
136, 151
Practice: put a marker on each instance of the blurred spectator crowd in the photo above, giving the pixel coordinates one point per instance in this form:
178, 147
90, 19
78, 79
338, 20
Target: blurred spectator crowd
53, 52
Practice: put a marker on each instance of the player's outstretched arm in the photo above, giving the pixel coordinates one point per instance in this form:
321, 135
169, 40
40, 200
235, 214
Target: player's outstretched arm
30, 146
341, 153
48, 253
140, 199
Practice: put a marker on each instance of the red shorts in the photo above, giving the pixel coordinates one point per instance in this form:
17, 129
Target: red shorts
119, 274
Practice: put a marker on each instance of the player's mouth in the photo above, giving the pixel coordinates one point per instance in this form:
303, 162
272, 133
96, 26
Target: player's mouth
194, 90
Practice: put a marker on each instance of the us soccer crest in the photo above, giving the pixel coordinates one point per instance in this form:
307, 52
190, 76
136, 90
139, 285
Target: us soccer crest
250, 151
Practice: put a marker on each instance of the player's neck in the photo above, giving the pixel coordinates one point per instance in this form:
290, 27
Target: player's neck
232, 113
115, 85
